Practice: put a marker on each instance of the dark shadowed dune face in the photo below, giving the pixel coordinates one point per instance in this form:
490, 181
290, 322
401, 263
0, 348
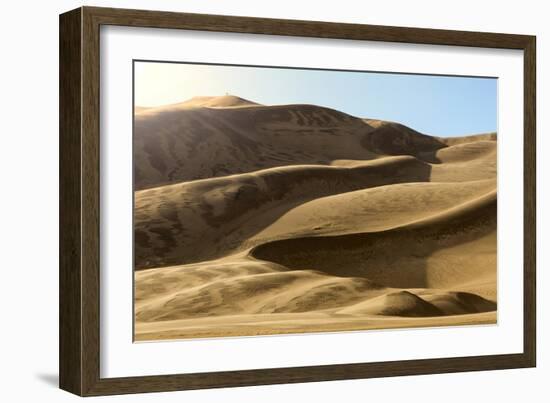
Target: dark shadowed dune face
253, 219
183, 144
396, 139
395, 257
171, 222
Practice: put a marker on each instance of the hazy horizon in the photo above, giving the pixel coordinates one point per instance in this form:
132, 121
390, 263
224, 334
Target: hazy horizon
435, 105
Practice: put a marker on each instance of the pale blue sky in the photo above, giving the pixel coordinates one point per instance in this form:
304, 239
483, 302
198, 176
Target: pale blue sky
436, 105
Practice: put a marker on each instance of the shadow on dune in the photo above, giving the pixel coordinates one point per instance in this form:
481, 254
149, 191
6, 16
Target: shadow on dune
175, 144
397, 139
234, 209
395, 258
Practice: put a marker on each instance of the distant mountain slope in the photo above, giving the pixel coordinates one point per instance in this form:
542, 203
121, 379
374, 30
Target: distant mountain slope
225, 101
209, 137
179, 143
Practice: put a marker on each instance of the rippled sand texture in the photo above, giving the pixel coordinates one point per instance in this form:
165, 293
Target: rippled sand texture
253, 219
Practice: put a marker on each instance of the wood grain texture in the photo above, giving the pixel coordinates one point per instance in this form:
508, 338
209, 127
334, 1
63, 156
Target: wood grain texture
317, 29
80, 201
90, 201
70, 271
530, 203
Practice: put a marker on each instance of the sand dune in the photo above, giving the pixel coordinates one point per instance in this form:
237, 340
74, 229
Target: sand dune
480, 151
408, 304
451, 141
226, 101
227, 211
253, 219
224, 141
400, 257
388, 138
230, 211
139, 109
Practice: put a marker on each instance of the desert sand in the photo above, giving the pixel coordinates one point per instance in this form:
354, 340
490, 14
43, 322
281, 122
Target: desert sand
253, 219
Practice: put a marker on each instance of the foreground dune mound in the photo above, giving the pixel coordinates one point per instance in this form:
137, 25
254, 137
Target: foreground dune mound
400, 303
409, 304
255, 293
252, 219
459, 303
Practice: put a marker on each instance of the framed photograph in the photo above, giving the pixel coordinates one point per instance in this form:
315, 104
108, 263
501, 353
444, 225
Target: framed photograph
250, 201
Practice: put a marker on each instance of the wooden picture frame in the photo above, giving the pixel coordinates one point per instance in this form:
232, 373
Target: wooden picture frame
79, 348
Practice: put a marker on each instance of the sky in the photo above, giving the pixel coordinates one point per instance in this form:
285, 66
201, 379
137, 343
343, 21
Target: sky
434, 105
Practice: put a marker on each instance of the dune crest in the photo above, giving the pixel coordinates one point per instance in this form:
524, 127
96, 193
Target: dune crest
224, 101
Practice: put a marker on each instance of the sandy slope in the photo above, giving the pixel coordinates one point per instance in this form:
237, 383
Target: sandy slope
253, 219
